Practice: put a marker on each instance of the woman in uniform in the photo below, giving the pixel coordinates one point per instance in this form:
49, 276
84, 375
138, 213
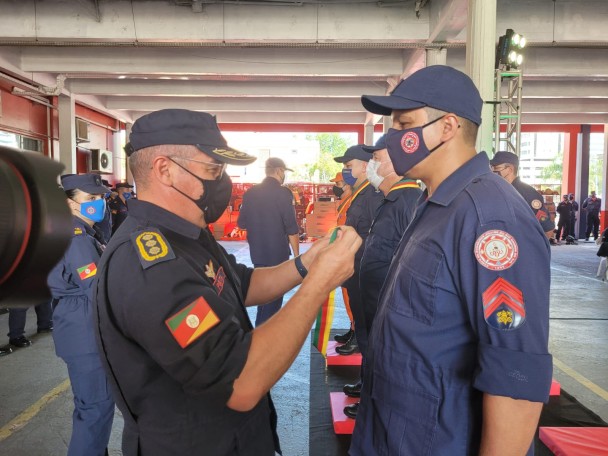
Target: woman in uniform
70, 282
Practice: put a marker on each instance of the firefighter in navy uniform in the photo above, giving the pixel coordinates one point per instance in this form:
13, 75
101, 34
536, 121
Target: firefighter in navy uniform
118, 204
192, 375
458, 360
363, 204
506, 165
71, 285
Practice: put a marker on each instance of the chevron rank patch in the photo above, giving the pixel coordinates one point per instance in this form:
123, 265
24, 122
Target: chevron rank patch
192, 322
151, 247
503, 305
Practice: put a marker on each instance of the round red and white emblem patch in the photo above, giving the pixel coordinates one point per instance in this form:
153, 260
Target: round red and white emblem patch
496, 250
410, 142
536, 204
90, 210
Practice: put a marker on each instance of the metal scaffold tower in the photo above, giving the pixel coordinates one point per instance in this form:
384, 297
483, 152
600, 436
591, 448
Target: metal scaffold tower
507, 110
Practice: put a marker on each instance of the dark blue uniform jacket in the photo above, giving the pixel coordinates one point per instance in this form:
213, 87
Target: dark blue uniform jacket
175, 335
464, 311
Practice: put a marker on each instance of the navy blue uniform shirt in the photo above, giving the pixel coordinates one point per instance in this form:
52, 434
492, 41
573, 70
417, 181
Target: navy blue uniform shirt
175, 335
536, 202
269, 216
392, 218
70, 282
464, 311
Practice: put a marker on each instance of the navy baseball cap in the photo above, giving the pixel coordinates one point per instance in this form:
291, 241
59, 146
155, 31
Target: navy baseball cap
184, 127
123, 185
436, 86
501, 158
380, 144
354, 153
88, 183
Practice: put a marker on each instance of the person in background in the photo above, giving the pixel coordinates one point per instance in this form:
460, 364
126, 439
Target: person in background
573, 215
118, 204
70, 283
592, 205
392, 218
16, 323
269, 216
458, 360
362, 207
103, 229
564, 209
506, 165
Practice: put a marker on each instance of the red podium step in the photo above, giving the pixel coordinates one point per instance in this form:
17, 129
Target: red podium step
342, 423
556, 388
336, 359
575, 441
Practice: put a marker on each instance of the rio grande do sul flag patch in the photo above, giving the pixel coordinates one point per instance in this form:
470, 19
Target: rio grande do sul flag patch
193, 321
87, 271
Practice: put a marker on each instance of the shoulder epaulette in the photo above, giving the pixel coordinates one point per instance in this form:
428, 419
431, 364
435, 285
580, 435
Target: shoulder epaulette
152, 247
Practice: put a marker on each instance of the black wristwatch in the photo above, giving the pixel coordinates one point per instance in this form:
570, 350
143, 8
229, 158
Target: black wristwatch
300, 266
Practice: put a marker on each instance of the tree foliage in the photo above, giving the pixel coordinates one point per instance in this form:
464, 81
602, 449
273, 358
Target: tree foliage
331, 145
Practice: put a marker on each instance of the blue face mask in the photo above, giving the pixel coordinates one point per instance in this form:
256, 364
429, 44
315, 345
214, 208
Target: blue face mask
127, 195
347, 175
94, 210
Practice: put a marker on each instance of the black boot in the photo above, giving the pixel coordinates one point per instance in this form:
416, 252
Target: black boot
343, 338
352, 390
351, 410
349, 347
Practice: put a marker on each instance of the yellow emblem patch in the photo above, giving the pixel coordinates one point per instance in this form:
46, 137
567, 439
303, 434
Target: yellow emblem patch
152, 247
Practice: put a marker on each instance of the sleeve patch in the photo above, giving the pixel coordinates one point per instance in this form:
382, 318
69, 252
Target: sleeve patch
503, 305
152, 248
87, 271
496, 250
536, 204
192, 322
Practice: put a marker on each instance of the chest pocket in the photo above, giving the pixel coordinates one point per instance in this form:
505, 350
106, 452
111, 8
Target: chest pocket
413, 291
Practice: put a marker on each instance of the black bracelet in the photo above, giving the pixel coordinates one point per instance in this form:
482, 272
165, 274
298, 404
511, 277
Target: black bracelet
300, 266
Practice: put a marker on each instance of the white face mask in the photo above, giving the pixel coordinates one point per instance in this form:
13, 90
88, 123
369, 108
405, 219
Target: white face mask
372, 173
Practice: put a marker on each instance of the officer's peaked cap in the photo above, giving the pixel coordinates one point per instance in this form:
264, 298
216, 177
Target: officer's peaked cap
88, 183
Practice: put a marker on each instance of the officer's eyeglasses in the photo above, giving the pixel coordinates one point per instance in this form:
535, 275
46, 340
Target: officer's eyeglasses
215, 169
498, 171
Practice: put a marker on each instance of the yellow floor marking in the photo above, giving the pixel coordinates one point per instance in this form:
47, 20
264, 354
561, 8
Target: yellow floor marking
24, 418
581, 379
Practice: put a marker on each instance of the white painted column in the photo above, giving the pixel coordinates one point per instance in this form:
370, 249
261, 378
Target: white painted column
436, 56
368, 134
480, 56
605, 179
387, 122
67, 133
128, 175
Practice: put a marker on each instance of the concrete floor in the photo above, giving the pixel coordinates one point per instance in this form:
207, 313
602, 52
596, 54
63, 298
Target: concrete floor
35, 377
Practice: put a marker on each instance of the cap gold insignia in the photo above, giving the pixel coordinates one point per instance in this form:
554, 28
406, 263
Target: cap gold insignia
232, 154
151, 246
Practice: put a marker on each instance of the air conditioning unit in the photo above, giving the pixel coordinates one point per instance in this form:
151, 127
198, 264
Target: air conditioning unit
101, 161
82, 131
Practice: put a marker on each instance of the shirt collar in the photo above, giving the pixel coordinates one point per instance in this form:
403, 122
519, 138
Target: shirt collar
460, 179
159, 216
271, 180
394, 194
79, 223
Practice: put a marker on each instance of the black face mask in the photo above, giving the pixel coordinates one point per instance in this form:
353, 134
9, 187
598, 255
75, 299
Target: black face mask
338, 191
216, 195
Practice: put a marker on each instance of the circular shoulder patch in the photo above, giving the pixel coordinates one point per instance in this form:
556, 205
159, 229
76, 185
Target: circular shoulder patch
536, 204
496, 250
410, 142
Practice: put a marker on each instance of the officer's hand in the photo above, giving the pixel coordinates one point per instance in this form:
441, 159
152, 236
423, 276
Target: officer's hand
334, 263
309, 256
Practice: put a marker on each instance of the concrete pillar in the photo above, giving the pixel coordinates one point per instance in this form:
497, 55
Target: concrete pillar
368, 135
436, 56
582, 175
569, 163
67, 133
387, 122
480, 56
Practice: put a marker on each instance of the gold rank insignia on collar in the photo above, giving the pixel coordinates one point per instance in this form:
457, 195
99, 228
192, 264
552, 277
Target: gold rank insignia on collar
152, 247
77, 231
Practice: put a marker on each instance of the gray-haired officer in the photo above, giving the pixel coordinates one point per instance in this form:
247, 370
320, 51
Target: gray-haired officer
191, 374
506, 165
